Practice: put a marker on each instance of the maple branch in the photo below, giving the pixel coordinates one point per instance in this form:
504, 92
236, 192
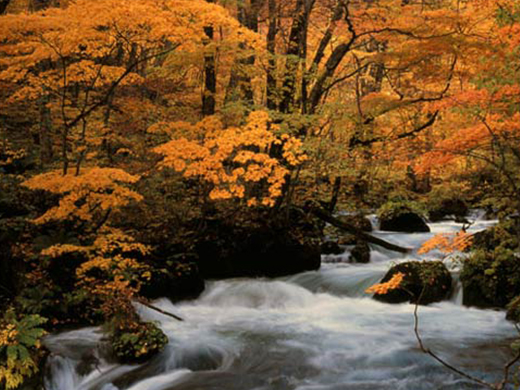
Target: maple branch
320, 52
406, 33
347, 76
85, 105
116, 83
433, 117
332, 63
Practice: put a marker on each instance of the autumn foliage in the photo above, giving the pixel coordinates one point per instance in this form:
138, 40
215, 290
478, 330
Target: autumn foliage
234, 162
131, 128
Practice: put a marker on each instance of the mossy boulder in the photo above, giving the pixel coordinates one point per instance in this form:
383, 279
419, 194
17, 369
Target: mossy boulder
513, 310
357, 220
432, 276
402, 216
331, 248
491, 278
450, 207
137, 342
502, 235
284, 244
360, 253
406, 222
176, 282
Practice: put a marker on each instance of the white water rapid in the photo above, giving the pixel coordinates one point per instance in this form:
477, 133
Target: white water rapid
313, 331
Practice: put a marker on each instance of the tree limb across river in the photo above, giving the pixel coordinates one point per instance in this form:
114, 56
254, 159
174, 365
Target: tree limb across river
327, 217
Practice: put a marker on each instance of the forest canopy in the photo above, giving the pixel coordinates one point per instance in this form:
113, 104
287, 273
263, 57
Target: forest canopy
145, 141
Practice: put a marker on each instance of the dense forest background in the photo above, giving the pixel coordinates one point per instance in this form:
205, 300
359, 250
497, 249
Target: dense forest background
146, 144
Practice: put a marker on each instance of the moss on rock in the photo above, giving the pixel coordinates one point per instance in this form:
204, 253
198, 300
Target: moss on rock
432, 276
490, 278
137, 342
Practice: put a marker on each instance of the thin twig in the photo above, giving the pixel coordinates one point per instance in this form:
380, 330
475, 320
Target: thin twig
166, 313
436, 357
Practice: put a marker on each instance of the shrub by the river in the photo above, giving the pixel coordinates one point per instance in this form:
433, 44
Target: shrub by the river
136, 342
20, 349
491, 278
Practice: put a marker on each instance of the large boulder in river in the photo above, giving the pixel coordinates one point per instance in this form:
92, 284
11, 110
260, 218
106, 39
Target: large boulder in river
408, 222
449, 207
261, 252
265, 247
176, 282
491, 278
431, 276
360, 253
402, 216
331, 248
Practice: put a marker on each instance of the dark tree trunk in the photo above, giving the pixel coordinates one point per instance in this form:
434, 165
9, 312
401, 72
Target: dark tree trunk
3, 6
335, 194
240, 86
335, 58
271, 48
210, 77
38, 5
295, 53
45, 134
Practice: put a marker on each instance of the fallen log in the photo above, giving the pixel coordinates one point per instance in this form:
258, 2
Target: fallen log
327, 217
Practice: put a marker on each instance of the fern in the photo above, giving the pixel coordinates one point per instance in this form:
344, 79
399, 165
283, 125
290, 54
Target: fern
19, 347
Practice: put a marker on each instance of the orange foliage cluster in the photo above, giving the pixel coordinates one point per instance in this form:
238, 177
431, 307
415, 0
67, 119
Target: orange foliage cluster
233, 160
109, 256
82, 35
447, 243
383, 288
92, 191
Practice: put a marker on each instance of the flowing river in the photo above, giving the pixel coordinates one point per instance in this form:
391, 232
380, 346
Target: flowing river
312, 331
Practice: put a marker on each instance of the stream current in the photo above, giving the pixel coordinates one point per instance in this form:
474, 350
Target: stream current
312, 331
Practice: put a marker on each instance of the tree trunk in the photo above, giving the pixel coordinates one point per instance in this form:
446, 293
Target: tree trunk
295, 54
45, 133
271, 48
240, 86
3, 6
335, 194
210, 77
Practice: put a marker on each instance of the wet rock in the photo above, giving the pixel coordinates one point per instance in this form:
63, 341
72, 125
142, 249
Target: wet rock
432, 276
284, 244
454, 208
331, 248
137, 343
259, 252
490, 279
360, 253
408, 222
177, 282
513, 310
